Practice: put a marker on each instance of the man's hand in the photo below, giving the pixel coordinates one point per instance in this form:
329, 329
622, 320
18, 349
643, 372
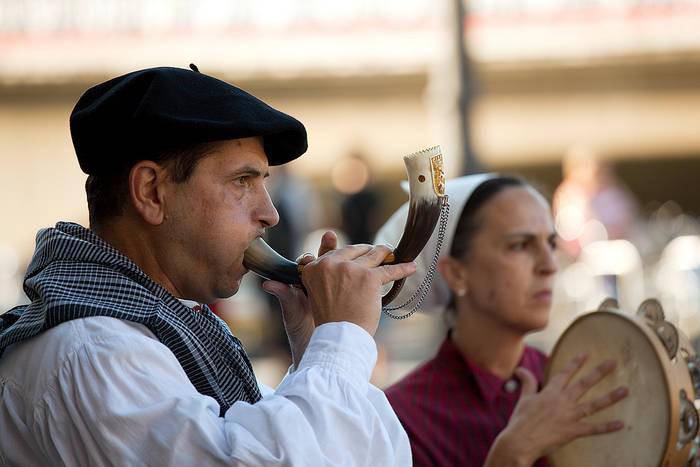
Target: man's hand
296, 311
345, 284
545, 421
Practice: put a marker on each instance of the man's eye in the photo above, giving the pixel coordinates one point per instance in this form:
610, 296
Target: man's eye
242, 181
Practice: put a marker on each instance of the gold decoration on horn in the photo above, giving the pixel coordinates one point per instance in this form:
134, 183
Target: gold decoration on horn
438, 173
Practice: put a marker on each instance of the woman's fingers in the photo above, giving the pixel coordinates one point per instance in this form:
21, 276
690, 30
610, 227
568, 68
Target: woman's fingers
561, 379
600, 428
592, 378
553, 417
602, 402
528, 381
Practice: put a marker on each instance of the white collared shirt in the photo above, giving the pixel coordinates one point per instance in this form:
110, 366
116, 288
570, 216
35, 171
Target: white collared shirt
102, 391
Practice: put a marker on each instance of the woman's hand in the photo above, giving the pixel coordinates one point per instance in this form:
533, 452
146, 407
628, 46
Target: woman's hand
544, 421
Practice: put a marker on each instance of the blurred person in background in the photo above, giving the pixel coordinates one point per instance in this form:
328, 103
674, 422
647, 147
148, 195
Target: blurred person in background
118, 360
591, 203
476, 402
360, 204
297, 203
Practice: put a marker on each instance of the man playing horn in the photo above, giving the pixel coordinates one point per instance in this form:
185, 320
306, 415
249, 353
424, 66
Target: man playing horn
118, 360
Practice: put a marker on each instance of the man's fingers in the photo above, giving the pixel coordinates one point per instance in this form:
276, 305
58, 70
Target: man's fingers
306, 258
329, 242
590, 379
351, 252
287, 295
395, 272
278, 289
374, 257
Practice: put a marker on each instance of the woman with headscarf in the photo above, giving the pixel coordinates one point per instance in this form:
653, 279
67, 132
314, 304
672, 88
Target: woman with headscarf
477, 401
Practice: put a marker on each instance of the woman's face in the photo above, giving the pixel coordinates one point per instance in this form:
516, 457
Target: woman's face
510, 266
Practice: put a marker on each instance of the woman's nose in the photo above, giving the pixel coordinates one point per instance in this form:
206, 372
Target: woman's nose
547, 263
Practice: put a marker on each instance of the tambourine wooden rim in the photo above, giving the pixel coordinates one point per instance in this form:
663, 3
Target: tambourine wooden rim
675, 379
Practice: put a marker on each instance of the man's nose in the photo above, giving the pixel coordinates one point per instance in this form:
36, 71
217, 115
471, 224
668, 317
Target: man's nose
267, 215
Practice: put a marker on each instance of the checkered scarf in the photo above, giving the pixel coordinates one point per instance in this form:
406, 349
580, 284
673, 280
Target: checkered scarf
75, 274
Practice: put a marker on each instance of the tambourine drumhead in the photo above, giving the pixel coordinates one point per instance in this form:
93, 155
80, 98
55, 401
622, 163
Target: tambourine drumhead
646, 411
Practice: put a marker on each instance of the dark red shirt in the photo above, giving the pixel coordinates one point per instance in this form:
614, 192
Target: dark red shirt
453, 410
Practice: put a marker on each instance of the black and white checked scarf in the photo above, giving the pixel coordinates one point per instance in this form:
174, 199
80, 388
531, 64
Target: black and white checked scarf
75, 274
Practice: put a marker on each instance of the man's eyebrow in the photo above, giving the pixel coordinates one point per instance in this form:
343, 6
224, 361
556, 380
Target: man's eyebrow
250, 170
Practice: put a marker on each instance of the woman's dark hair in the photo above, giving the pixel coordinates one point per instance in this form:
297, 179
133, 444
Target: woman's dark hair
107, 194
467, 224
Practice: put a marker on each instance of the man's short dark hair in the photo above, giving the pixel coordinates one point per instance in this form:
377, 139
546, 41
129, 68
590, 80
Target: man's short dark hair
108, 194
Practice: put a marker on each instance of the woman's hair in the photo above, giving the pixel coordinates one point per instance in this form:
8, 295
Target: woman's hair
468, 224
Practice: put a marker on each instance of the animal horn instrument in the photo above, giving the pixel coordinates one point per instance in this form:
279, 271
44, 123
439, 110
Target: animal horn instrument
427, 201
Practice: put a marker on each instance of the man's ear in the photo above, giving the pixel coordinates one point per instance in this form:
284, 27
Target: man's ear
455, 274
147, 185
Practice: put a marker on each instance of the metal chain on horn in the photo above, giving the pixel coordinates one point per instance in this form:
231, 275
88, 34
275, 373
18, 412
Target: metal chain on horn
422, 290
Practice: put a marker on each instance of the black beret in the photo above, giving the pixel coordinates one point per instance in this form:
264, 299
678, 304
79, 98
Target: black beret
137, 115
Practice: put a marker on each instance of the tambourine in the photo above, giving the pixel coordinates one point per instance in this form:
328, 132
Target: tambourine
427, 204
660, 368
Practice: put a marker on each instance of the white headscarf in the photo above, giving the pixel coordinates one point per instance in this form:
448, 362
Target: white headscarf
458, 190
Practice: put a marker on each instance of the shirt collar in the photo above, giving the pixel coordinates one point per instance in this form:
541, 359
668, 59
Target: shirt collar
486, 384
192, 305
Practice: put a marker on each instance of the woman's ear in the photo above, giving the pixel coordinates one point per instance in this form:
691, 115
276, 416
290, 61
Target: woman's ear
455, 274
147, 186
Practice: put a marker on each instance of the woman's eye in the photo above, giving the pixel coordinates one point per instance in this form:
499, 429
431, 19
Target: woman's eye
518, 246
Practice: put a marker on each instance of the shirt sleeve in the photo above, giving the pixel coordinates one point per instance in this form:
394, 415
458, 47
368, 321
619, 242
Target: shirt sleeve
127, 401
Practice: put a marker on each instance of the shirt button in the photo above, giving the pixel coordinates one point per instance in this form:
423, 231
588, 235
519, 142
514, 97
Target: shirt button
511, 386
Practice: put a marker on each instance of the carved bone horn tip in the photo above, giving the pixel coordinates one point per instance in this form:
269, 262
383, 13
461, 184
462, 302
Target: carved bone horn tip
431, 151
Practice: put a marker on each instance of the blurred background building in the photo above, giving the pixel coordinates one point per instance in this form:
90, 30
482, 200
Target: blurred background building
596, 101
